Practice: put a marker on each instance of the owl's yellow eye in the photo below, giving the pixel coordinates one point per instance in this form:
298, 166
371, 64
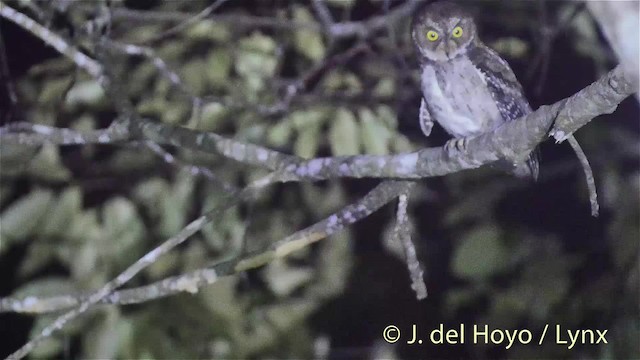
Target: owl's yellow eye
457, 32
432, 35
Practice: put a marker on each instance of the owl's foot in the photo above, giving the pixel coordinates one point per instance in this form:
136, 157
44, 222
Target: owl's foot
455, 145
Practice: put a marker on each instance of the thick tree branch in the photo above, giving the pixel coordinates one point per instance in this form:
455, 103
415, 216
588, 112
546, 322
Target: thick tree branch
513, 141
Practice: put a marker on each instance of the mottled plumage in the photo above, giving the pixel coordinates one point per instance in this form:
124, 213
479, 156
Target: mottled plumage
467, 87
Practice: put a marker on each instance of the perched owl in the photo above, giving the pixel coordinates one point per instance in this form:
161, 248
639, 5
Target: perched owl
466, 86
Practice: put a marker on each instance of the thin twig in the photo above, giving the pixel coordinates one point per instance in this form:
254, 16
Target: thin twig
188, 22
321, 9
588, 174
402, 234
337, 30
193, 169
52, 39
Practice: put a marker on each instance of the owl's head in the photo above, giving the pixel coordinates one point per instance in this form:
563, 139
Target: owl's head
442, 30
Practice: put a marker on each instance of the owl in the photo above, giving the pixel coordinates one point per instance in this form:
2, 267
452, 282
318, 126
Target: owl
466, 86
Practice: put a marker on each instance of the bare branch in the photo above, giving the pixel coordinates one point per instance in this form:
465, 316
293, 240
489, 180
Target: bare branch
29, 134
189, 22
588, 173
513, 140
402, 234
193, 169
52, 39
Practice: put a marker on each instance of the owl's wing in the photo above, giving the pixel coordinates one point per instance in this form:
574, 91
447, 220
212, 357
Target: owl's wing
426, 121
508, 95
505, 89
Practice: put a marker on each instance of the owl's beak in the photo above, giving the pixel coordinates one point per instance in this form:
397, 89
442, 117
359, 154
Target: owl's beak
450, 48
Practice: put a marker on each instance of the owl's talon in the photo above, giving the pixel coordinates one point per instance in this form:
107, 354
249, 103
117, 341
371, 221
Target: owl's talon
455, 145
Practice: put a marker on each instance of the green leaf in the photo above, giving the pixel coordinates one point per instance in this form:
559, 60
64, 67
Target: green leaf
342, 81
387, 116
306, 145
308, 42
21, 218
53, 90
62, 213
47, 164
344, 136
284, 279
39, 255
280, 134
45, 287
256, 57
335, 263
480, 255
213, 115
221, 301
123, 230
385, 87
140, 78
511, 47
193, 75
85, 225
15, 158
307, 123
209, 29
284, 316
172, 51
375, 135
219, 63
142, 33
103, 340
150, 193
89, 93
163, 266
175, 113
